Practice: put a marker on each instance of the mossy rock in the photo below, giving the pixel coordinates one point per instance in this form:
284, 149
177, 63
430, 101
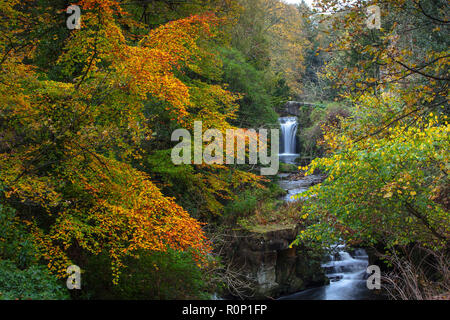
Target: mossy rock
288, 167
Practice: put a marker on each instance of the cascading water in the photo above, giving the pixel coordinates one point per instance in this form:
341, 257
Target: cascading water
345, 269
288, 139
288, 133
347, 274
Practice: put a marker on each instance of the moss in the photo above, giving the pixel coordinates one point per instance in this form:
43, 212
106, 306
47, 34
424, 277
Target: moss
287, 168
272, 216
259, 228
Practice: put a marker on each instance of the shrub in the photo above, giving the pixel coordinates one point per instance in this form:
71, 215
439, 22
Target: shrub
33, 283
170, 275
15, 242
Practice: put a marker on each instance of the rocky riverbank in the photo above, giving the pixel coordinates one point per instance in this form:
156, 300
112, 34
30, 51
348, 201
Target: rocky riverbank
273, 268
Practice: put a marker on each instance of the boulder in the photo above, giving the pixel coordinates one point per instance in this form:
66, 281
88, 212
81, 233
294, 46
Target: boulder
291, 108
275, 269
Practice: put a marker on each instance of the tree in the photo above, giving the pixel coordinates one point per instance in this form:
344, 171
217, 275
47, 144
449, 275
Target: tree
387, 189
387, 165
66, 147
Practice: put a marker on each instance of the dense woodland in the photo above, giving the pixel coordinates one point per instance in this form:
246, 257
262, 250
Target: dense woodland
86, 118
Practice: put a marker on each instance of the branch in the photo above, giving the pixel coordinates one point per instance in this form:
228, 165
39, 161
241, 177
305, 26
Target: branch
429, 16
420, 72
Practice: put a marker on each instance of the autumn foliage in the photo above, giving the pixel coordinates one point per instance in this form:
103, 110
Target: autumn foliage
66, 146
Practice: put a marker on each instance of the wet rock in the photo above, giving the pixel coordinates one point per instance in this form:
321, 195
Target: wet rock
291, 108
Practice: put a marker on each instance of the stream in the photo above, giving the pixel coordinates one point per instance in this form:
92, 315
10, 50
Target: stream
345, 270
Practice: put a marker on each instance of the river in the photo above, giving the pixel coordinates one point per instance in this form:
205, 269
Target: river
345, 269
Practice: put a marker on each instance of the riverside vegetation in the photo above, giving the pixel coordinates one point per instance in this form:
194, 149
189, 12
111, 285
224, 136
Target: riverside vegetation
86, 118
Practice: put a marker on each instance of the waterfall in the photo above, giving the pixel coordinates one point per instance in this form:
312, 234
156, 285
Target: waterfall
288, 134
342, 265
347, 274
288, 139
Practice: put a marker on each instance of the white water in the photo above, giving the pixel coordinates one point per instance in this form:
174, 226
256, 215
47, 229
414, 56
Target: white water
296, 187
347, 272
288, 139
